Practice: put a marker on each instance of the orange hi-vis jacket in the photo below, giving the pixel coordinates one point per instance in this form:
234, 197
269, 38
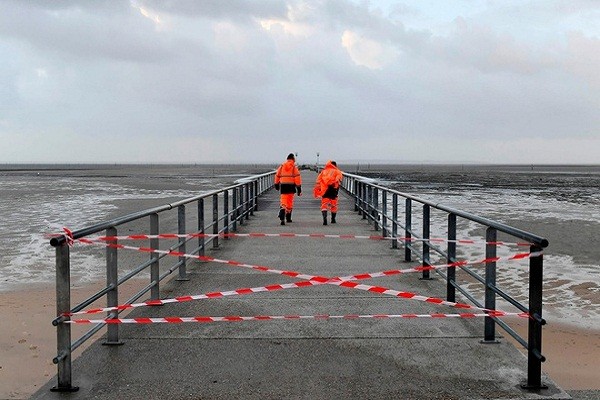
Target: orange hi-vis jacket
288, 176
328, 182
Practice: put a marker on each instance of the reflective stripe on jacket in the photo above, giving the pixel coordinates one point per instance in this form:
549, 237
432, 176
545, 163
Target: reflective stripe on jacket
288, 176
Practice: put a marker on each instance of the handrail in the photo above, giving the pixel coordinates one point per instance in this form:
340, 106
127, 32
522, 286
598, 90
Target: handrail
57, 241
238, 202
542, 242
375, 209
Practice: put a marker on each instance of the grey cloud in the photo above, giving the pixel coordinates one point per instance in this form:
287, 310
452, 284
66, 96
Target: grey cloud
230, 9
110, 74
78, 32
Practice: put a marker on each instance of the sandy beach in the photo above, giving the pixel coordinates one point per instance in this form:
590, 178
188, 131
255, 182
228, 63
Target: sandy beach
28, 339
28, 344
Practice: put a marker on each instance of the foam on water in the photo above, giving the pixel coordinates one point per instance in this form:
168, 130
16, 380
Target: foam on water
571, 286
32, 207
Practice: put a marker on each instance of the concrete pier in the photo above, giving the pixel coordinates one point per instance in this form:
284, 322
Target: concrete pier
302, 359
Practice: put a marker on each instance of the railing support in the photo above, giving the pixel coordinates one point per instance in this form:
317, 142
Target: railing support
395, 220
154, 267
489, 335
384, 218
426, 244
375, 208
407, 230
253, 197
451, 274
234, 208
365, 203
355, 192
112, 281
247, 206
226, 213
534, 351
240, 207
215, 220
63, 331
201, 240
182, 241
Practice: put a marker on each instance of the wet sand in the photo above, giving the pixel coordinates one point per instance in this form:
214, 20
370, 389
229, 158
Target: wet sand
28, 339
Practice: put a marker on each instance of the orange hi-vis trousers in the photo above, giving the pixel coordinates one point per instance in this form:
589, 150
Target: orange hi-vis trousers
329, 204
287, 202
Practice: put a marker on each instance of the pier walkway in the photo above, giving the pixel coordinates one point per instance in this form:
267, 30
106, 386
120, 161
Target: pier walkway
418, 358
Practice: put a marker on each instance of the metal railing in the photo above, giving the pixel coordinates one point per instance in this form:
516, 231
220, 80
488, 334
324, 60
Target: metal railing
374, 202
239, 201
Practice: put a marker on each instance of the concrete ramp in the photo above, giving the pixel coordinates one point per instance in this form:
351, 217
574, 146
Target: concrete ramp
425, 358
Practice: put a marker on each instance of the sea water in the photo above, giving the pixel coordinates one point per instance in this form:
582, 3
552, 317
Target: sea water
561, 203
39, 200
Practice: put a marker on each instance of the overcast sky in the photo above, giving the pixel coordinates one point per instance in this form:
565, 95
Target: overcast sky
499, 81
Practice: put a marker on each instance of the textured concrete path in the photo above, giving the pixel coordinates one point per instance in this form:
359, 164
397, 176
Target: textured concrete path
302, 359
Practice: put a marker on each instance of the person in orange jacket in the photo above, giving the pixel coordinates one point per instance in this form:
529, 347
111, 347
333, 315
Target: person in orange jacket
327, 187
288, 181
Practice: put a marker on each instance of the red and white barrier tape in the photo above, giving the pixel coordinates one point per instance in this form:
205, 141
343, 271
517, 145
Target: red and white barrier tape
211, 295
237, 318
309, 280
302, 235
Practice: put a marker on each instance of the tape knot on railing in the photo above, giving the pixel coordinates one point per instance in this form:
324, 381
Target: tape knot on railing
69, 236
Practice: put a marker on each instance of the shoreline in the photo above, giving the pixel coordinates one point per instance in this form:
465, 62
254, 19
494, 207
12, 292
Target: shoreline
28, 343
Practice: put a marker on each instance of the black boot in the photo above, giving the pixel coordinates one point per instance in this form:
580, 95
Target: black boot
288, 217
282, 215
333, 217
324, 217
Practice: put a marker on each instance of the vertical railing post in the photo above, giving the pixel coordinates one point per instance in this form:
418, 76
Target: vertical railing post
489, 335
426, 236
384, 218
226, 213
355, 192
254, 196
215, 220
248, 200
375, 209
240, 207
154, 267
534, 351
376, 216
234, 208
451, 274
182, 243
369, 202
394, 220
112, 281
201, 239
365, 205
359, 198
63, 331
408, 230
